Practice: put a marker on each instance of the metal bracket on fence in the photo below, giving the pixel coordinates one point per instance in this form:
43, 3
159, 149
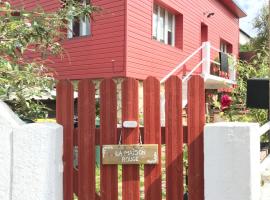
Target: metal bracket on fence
130, 124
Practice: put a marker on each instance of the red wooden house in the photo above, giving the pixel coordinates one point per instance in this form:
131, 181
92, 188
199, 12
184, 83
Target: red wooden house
138, 38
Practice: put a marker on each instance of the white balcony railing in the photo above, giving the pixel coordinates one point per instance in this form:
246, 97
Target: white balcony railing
211, 81
205, 63
208, 60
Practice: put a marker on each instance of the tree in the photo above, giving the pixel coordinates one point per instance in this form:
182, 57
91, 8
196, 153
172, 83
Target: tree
246, 47
36, 32
261, 24
257, 68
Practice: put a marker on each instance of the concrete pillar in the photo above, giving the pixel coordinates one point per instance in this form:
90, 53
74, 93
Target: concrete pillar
8, 117
30, 159
5, 162
37, 162
232, 161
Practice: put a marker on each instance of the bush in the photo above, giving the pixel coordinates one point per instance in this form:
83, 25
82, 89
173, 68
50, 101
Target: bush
257, 68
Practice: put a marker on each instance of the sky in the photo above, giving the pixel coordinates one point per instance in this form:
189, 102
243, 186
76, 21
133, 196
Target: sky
252, 8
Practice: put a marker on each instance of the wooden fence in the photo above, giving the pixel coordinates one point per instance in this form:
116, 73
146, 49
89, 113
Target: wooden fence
82, 181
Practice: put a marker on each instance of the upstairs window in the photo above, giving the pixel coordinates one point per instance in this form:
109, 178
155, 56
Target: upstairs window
163, 25
79, 26
225, 47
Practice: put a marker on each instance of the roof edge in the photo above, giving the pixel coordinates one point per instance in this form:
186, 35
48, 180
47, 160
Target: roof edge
245, 33
234, 7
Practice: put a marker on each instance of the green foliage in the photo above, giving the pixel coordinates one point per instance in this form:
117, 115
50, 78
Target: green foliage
246, 47
261, 24
23, 78
258, 68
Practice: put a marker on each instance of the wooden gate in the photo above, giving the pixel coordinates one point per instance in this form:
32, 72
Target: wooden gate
81, 180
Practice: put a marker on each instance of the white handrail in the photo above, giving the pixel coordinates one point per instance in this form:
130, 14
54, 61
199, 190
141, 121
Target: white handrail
191, 72
264, 128
181, 64
215, 62
214, 48
206, 61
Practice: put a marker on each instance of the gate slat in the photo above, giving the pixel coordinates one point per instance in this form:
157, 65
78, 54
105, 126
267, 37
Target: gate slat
64, 116
174, 139
86, 140
108, 135
152, 135
196, 121
130, 173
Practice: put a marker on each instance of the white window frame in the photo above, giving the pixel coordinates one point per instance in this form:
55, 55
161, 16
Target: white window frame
166, 26
85, 23
223, 47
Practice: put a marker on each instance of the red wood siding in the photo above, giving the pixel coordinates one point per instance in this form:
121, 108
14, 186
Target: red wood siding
98, 55
50, 5
121, 43
146, 56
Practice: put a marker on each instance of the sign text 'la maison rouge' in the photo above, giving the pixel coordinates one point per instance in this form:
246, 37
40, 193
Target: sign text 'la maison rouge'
130, 154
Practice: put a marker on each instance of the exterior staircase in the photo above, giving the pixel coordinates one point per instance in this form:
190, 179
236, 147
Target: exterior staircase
211, 81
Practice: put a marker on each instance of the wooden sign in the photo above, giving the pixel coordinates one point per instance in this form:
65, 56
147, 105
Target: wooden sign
130, 154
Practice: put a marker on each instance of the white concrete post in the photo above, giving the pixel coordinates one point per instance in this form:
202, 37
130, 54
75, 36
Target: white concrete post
8, 121
206, 55
5, 162
8, 117
232, 161
37, 162
30, 159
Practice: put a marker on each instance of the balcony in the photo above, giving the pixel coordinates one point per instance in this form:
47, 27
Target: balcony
212, 80
220, 72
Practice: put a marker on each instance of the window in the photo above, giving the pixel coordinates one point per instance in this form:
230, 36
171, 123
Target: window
79, 26
170, 29
225, 47
163, 25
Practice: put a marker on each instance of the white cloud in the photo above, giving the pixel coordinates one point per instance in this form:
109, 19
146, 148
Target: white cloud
252, 8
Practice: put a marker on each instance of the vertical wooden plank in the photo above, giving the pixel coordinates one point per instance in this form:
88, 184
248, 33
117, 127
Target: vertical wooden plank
130, 176
75, 171
174, 139
152, 135
108, 135
196, 121
86, 140
64, 116
75, 182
